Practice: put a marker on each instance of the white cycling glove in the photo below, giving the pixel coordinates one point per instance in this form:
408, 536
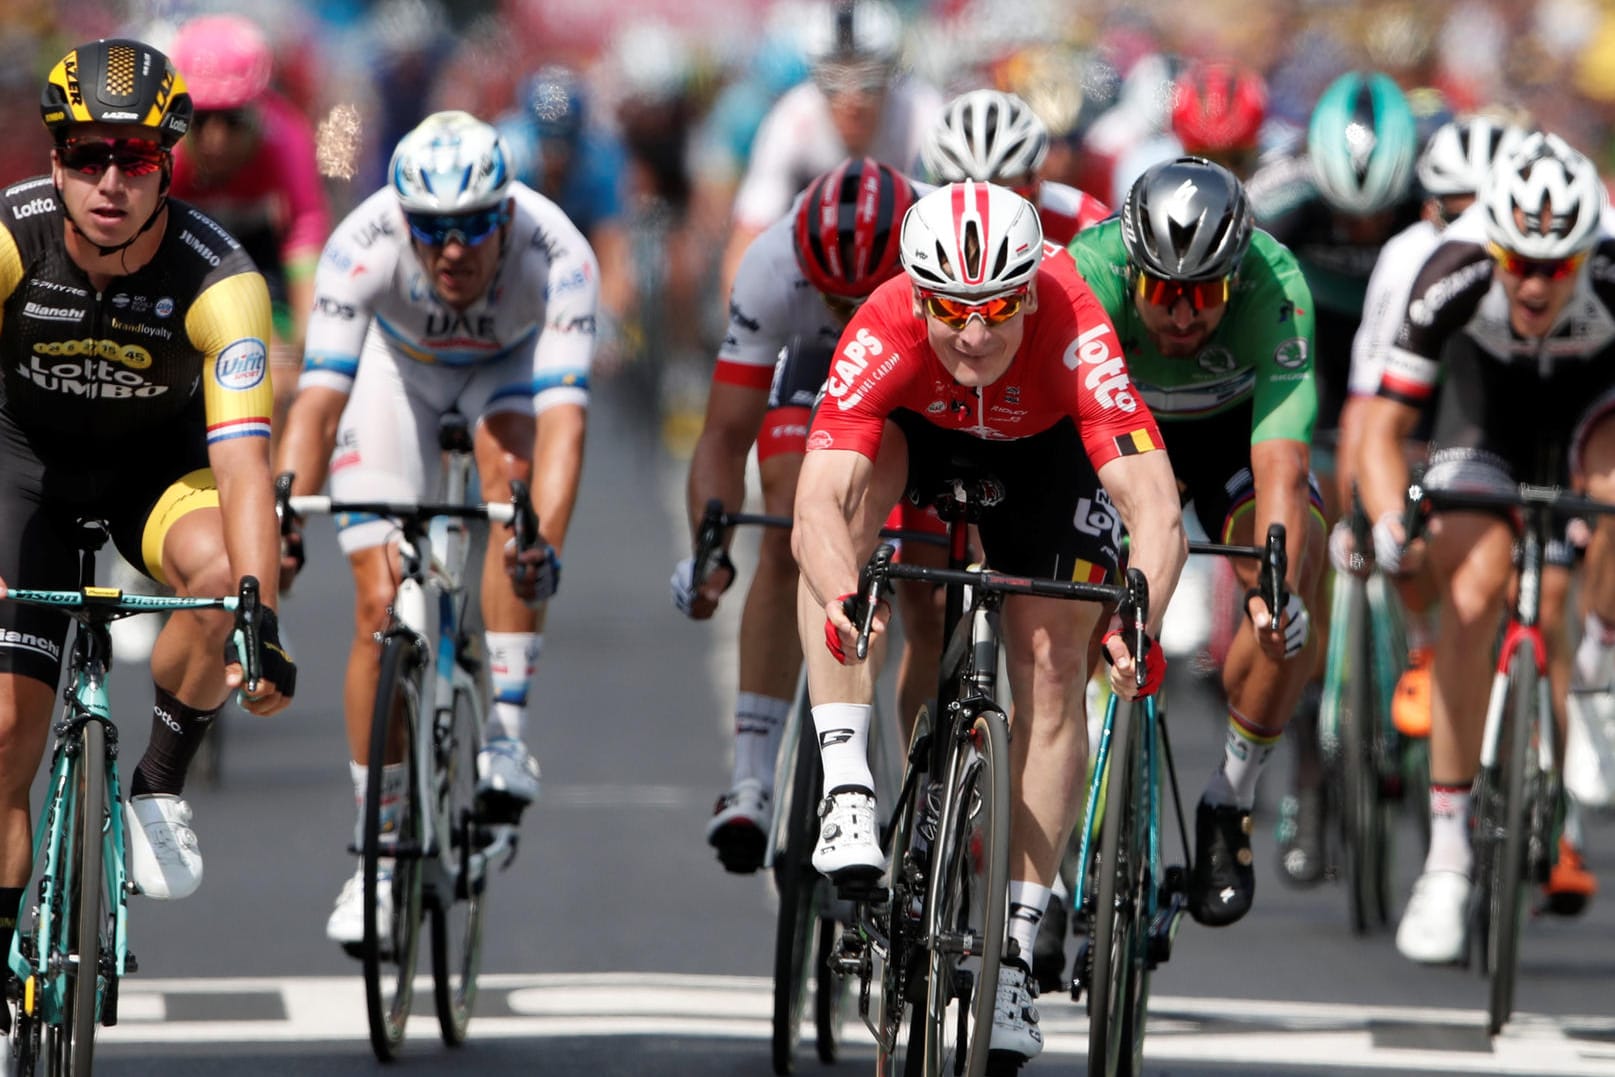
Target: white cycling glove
1343, 553
683, 584
1297, 627
1388, 543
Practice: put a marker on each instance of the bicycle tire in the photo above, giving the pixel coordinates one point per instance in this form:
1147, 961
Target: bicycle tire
909, 865
969, 886
1118, 991
87, 890
1360, 781
456, 914
832, 992
796, 932
1508, 884
396, 714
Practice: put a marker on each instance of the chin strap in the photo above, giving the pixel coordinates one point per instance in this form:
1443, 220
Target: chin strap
162, 203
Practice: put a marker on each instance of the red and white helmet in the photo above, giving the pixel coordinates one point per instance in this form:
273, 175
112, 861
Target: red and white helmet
226, 61
971, 239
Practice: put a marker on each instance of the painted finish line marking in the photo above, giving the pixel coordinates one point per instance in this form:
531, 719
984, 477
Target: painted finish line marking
1395, 1039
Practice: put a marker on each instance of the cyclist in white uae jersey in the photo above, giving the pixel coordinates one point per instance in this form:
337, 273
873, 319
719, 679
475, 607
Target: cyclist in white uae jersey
455, 288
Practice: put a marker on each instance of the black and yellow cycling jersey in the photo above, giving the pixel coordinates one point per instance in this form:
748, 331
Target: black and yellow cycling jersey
100, 367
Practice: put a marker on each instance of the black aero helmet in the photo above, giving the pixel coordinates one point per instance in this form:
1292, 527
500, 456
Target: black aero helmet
117, 81
1187, 219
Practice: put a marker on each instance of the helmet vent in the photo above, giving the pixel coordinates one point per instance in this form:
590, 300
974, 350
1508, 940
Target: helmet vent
120, 79
972, 251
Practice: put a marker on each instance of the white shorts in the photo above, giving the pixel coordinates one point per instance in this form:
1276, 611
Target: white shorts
387, 441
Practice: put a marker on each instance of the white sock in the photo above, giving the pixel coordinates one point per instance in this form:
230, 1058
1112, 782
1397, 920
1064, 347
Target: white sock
1245, 752
843, 730
759, 721
512, 657
1593, 652
394, 782
1573, 832
1027, 903
1449, 829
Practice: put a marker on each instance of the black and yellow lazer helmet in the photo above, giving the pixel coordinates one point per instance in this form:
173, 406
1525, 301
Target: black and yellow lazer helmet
117, 81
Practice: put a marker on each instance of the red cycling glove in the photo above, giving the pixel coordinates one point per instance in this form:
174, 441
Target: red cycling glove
1154, 663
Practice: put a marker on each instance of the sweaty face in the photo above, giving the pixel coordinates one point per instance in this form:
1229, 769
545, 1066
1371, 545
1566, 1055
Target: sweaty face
111, 183
977, 354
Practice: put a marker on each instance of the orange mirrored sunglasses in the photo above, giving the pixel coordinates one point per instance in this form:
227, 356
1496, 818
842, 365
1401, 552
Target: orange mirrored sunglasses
956, 313
1202, 294
1551, 268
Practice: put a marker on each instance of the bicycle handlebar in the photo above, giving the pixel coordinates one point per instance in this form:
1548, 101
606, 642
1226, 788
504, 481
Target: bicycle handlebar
517, 512
1423, 501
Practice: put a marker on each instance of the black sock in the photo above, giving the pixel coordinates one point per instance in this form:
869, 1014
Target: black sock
176, 734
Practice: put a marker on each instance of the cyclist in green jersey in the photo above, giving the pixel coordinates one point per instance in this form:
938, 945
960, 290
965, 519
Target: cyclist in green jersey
1217, 325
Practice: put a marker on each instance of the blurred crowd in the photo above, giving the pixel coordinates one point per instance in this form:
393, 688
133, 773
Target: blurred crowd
666, 96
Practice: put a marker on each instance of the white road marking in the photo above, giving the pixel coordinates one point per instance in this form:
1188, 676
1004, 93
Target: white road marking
1267, 1034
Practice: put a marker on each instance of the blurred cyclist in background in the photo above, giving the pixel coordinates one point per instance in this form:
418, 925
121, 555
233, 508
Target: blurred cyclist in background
248, 163
856, 104
1335, 206
994, 137
1217, 113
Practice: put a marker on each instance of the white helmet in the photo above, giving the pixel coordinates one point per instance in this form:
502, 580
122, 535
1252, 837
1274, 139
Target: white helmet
971, 239
985, 135
1460, 154
451, 163
852, 31
1555, 192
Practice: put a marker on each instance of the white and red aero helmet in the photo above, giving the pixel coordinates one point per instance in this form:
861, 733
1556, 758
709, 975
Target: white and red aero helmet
846, 226
972, 239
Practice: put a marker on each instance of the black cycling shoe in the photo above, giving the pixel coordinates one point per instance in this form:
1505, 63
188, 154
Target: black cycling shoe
1300, 834
1223, 883
1048, 952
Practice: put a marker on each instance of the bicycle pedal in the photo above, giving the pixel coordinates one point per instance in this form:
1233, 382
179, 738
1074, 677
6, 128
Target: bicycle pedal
500, 809
1080, 969
857, 885
1004, 1063
130, 963
1163, 931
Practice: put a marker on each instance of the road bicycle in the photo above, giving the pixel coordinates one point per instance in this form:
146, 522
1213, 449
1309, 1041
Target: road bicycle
810, 916
1126, 905
70, 951
1518, 794
936, 924
1372, 768
430, 708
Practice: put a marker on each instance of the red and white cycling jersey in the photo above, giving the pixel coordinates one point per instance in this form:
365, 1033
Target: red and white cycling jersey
1069, 365
1065, 211
798, 140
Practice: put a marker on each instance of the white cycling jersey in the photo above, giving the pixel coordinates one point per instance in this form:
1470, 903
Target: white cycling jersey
1390, 287
798, 140
771, 305
379, 333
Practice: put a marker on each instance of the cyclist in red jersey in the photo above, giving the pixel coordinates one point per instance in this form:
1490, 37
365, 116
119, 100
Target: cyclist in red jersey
994, 354
249, 163
995, 137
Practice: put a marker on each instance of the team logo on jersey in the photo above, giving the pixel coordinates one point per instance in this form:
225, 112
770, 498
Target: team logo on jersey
164, 307
1217, 360
1291, 354
1106, 377
242, 365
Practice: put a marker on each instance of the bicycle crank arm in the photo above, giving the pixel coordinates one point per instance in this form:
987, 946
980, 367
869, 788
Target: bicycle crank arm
1164, 930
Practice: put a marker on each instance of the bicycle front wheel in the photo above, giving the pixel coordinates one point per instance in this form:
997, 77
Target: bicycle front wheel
796, 934
909, 852
1506, 831
392, 850
1119, 984
966, 907
73, 1049
1366, 837
457, 906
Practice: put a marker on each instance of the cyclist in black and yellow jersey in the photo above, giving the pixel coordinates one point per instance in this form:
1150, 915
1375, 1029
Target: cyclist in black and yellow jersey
135, 390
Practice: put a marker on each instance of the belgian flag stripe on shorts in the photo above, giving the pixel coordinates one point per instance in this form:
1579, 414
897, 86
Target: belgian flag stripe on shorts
1135, 442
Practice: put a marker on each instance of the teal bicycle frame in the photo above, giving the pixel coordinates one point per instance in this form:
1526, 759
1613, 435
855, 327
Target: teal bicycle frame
44, 956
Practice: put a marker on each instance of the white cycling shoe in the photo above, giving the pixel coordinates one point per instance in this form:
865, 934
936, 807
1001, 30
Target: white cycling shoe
1015, 1030
1432, 928
346, 924
165, 860
505, 768
849, 838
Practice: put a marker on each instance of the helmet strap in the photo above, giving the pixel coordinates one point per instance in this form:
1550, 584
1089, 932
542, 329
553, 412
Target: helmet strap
104, 251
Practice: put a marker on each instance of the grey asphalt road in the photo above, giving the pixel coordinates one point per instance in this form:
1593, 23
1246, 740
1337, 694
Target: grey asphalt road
613, 875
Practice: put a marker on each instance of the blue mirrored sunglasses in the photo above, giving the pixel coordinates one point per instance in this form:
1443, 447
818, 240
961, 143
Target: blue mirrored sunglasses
436, 229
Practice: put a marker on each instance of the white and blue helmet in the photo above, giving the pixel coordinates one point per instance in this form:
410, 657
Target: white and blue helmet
451, 163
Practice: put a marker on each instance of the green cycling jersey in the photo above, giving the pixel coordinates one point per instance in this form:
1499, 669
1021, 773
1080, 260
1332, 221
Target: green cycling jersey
1260, 352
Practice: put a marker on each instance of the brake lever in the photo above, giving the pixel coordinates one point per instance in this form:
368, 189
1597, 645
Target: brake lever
873, 578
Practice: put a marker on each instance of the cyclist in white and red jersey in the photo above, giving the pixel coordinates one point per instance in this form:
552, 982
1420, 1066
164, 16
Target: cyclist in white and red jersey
454, 288
995, 353
248, 162
994, 137
856, 104
798, 284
